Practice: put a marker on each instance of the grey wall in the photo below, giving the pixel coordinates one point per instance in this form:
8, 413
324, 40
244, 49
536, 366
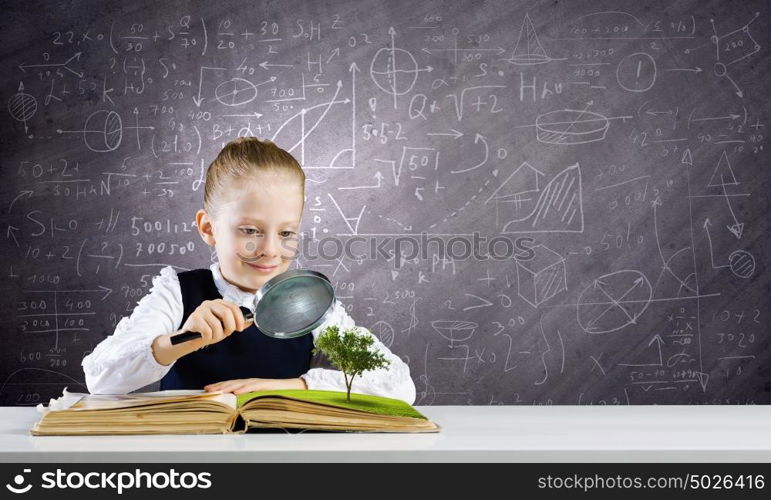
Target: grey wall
623, 143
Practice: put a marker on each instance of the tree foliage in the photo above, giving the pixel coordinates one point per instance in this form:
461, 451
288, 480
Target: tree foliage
350, 352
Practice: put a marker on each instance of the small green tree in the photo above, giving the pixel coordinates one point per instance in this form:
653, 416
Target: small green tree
349, 352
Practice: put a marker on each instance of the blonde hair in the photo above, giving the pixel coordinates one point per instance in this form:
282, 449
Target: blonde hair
241, 160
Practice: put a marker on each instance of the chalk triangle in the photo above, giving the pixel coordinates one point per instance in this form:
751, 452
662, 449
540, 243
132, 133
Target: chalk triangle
687, 159
736, 229
723, 174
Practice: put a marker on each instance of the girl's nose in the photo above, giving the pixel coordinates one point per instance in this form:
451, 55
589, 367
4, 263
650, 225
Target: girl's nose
269, 245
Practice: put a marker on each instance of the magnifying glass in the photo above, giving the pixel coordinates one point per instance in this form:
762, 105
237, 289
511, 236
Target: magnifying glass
289, 305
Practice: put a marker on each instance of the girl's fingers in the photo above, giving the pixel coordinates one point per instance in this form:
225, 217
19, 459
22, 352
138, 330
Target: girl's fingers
244, 388
237, 386
217, 386
219, 312
203, 327
210, 333
238, 316
225, 314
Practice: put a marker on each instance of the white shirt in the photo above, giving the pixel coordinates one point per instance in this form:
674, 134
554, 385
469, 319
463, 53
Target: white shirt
124, 361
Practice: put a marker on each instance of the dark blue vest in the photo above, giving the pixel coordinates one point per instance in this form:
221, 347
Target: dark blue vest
245, 354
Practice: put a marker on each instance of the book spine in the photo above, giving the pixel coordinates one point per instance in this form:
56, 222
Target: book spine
238, 424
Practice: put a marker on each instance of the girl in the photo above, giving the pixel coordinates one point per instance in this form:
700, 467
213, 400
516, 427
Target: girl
253, 201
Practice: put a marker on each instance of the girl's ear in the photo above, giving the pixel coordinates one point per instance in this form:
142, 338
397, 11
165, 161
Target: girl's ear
204, 225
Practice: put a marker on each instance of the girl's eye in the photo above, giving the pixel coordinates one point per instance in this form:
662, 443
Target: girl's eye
251, 232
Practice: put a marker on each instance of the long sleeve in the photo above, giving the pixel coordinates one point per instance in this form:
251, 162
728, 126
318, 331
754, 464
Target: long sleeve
392, 382
124, 361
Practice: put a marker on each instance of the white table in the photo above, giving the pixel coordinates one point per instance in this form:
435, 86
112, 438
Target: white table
470, 434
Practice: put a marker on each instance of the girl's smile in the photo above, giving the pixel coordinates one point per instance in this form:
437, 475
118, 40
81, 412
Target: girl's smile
261, 268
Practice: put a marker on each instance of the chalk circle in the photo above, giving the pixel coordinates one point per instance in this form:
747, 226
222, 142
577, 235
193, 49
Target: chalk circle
389, 63
103, 131
636, 72
454, 331
384, 332
529, 59
22, 106
613, 301
742, 263
250, 246
571, 126
720, 69
235, 92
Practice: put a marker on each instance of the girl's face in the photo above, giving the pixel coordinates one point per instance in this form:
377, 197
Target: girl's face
255, 230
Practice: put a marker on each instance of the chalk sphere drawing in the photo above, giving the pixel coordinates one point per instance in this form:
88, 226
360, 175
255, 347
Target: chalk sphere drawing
22, 106
742, 263
613, 301
384, 332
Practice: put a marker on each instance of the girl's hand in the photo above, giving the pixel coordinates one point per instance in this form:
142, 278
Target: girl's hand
215, 320
241, 385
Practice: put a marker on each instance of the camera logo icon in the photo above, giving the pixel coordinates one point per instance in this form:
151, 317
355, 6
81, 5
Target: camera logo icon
19, 481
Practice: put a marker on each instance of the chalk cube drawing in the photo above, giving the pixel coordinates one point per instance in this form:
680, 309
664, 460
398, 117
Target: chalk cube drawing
542, 277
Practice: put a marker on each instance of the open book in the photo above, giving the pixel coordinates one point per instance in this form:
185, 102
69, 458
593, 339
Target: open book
201, 412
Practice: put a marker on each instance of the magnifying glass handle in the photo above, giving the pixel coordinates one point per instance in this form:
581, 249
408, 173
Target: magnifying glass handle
184, 337
187, 336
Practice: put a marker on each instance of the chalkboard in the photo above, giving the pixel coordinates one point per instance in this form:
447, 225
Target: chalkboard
529, 202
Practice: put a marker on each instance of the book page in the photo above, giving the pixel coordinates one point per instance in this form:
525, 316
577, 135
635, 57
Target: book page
359, 402
66, 400
74, 401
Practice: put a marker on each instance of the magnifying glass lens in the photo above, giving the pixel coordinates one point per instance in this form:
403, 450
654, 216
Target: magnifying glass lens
294, 306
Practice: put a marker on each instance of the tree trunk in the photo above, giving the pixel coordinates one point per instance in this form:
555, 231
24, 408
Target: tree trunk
348, 385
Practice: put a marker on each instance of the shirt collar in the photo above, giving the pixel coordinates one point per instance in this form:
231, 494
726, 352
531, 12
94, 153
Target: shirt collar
229, 291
